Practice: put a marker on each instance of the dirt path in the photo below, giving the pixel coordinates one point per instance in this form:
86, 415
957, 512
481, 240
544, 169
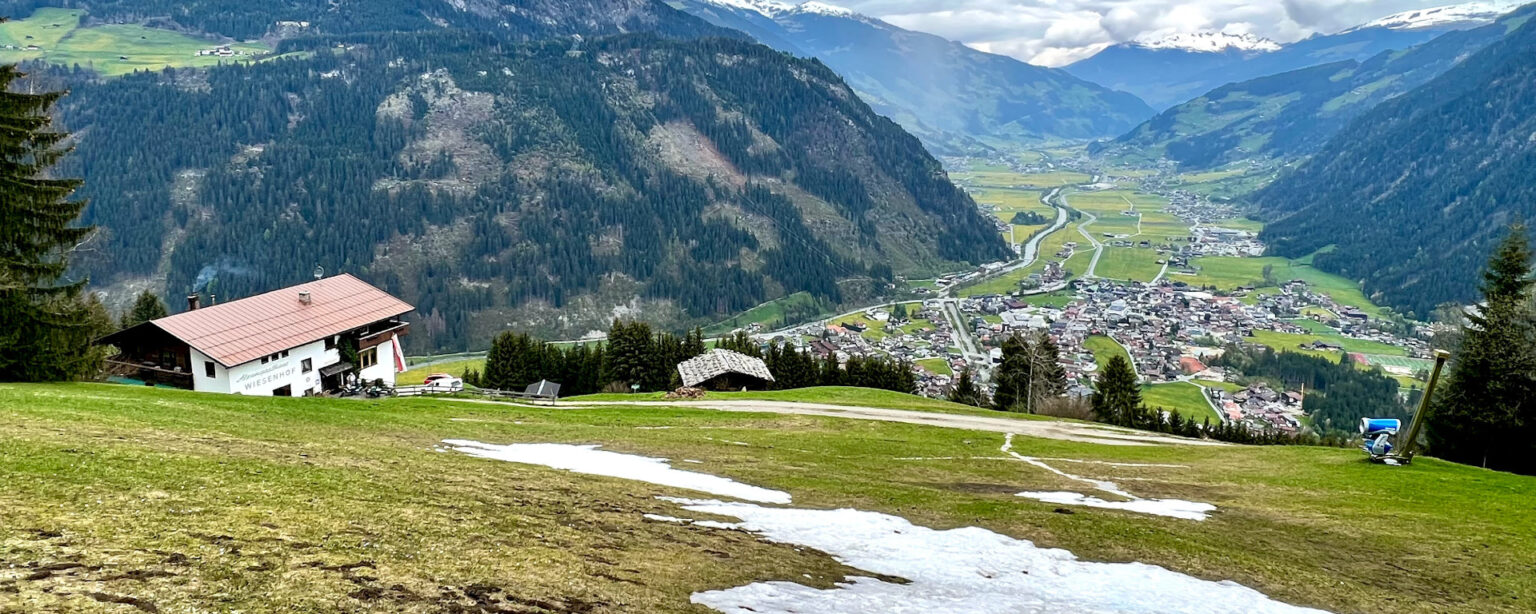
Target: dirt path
1050, 429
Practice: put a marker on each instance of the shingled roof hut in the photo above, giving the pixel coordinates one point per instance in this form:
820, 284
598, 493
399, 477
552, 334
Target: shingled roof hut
725, 370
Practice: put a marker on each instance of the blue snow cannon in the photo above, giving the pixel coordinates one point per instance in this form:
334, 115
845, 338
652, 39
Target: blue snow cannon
1378, 434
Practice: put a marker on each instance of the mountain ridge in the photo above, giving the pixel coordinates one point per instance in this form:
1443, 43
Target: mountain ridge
1413, 194
1167, 77
952, 96
1294, 113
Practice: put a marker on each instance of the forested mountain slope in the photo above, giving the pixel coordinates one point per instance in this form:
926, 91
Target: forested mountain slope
540, 186
1294, 113
1414, 193
952, 96
1167, 76
252, 19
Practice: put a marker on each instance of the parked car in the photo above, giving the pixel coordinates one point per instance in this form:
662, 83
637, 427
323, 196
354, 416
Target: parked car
444, 381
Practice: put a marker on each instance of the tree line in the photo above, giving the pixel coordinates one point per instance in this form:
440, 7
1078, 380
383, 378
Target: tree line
635, 355
1338, 394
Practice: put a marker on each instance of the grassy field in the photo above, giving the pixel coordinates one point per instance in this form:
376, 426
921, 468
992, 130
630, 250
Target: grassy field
1110, 208
1129, 264
1183, 398
1054, 300
1227, 273
186, 502
936, 366
415, 375
1289, 341
1103, 348
831, 395
1049, 247
112, 49
770, 314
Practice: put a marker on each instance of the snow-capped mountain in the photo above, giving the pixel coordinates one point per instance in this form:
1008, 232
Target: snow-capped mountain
1455, 15
774, 8
950, 95
1210, 42
1170, 71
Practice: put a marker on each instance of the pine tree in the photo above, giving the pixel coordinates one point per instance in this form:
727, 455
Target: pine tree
1013, 376
46, 327
965, 391
1118, 398
1048, 378
1486, 412
147, 307
694, 345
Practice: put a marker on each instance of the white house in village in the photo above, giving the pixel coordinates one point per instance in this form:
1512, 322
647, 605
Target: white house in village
287, 342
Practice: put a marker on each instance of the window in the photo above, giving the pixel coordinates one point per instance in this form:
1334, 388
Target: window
368, 357
307, 365
266, 359
330, 342
208, 369
285, 354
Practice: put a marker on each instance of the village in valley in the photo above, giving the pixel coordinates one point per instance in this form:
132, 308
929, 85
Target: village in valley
1171, 324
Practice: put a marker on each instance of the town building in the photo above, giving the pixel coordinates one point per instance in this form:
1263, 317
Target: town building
298, 341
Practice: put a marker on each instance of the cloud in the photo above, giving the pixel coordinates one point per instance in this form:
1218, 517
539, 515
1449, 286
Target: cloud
1058, 32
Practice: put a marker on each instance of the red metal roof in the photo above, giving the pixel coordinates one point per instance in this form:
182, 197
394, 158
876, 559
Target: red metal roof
238, 332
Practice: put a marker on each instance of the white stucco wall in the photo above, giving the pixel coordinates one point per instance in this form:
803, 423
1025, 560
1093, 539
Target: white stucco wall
200, 380
257, 379
385, 369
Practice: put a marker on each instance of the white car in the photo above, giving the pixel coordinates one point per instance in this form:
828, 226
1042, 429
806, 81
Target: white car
444, 382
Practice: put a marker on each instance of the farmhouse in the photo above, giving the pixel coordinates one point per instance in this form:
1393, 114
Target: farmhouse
724, 370
297, 341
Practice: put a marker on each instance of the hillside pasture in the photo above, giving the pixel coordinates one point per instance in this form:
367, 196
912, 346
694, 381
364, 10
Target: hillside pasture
1183, 398
189, 502
1228, 273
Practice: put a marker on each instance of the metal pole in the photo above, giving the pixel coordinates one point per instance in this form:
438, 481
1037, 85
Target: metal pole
1406, 449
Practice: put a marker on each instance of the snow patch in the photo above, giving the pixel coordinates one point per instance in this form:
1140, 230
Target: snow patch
592, 461
1210, 42
772, 9
1469, 14
1172, 508
968, 570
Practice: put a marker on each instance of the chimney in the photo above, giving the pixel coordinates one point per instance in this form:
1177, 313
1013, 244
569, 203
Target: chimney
192, 302
304, 297
213, 299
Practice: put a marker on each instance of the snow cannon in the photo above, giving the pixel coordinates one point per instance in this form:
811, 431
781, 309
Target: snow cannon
1378, 433
1381, 433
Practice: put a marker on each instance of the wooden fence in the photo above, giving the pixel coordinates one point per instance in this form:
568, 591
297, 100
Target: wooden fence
416, 391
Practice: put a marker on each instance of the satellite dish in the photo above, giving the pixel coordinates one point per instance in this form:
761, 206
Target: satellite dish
319, 272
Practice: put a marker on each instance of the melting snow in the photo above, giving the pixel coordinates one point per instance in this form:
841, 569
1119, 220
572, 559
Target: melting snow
1173, 508
592, 461
968, 570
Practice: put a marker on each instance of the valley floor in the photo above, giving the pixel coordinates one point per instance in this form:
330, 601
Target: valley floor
114, 498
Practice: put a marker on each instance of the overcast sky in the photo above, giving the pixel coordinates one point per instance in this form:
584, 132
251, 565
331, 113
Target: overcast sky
1057, 32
